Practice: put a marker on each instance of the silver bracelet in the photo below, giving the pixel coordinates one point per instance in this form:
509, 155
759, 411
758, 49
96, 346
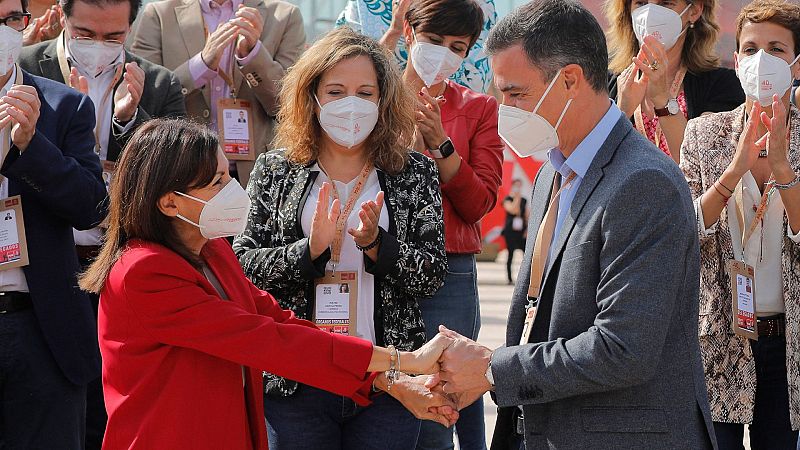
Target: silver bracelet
391, 374
789, 185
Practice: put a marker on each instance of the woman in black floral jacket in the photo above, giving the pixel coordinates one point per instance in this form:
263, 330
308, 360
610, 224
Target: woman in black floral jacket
344, 129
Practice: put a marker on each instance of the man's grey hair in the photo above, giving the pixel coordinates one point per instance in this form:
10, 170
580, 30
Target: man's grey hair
554, 34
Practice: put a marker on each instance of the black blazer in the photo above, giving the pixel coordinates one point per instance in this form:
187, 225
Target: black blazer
162, 95
717, 90
59, 179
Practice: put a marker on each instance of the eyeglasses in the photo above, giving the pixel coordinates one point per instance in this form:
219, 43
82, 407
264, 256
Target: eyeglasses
16, 21
111, 43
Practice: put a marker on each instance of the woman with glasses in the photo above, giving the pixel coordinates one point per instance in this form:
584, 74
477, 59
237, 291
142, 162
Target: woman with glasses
665, 67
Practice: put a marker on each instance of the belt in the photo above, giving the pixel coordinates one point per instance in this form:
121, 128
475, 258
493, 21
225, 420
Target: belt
87, 252
772, 326
13, 301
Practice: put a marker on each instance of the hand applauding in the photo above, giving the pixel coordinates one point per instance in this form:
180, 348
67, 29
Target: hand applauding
20, 108
323, 224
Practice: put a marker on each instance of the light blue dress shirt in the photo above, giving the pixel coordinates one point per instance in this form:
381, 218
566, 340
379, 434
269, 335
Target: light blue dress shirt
579, 162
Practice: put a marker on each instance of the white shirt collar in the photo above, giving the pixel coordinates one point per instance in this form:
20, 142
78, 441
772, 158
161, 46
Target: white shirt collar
11, 79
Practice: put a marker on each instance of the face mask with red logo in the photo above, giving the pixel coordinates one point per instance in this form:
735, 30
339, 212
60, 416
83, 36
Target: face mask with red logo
763, 75
658, 21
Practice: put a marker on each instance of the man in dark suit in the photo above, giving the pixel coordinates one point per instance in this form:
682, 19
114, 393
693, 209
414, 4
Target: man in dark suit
602, 347
48, 344
126, 91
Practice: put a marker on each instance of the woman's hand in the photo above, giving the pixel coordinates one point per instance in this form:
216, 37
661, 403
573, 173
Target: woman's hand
420, 400
777, 140
43, 28
323, 224
392, 35
370, 215
631, 87
750, 144
425, 360
653, 62
429, 120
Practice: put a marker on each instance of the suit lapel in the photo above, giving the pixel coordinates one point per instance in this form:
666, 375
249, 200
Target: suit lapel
231, 282
192, 29
588, 184
48, 65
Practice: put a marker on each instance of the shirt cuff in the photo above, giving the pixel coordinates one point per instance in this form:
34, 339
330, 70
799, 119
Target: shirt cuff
120, 129
249, 58
201, 73
704, 232
795, 237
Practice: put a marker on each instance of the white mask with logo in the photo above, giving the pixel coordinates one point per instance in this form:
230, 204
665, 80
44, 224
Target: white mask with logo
225, 214
763, 75
433, 63
93, 56
348, 121
10, 48
528, 133
662, 23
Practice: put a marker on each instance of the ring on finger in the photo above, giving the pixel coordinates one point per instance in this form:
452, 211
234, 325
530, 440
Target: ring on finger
654, 66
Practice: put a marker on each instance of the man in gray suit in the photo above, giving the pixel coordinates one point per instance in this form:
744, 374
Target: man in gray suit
609, 287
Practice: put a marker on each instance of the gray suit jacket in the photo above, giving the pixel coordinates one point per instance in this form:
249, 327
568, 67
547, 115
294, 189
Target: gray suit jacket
162, 96
614, 361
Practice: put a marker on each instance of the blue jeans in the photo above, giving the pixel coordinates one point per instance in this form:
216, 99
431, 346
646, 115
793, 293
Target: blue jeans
455, 306
770, 429
313, 419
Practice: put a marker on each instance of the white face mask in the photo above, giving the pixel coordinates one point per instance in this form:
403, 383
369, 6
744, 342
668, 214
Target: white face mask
348, 121
225, 214
763, 75
433, 63
10, 48
528, 133
93, 56
662, 23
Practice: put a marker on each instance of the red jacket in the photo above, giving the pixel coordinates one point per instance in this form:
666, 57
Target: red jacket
173, 353
470, 120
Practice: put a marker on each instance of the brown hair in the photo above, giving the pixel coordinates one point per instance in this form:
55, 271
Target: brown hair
447, 18
779, 12
298, 130
162, 156
699, 48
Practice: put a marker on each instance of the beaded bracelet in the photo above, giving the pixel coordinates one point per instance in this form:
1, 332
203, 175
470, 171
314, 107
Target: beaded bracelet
791, 184
372, 245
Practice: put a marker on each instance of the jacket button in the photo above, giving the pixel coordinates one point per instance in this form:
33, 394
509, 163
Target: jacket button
184, 91
206, 113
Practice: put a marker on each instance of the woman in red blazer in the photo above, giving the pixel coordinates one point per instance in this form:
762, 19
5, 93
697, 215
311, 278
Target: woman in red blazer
183, 334
458, 129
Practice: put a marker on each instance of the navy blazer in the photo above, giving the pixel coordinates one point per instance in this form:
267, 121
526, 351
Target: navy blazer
59, 179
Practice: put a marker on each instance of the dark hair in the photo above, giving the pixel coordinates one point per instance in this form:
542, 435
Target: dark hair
447, 18
554, 34
66, 6
779, 12
162, 156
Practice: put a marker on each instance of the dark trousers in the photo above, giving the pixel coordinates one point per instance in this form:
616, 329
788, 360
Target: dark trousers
313, 419
514, 242
41, 409
96, 417
770, 429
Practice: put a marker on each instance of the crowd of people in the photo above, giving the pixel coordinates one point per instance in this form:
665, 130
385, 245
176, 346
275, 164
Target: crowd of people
217, 238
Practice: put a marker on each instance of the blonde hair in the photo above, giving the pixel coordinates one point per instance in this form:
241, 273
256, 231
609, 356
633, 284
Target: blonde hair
298, 130
699, 48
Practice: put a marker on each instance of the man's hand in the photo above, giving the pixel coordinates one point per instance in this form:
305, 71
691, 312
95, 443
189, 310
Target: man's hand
43, 28
78, 81
461, 399
463, 364
216, 44
20, 109
129, 93
250, 24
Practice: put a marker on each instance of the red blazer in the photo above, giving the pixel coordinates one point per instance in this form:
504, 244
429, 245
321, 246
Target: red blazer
173, 353
470, 119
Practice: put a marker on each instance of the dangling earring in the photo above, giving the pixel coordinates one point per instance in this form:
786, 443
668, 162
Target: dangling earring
691, 24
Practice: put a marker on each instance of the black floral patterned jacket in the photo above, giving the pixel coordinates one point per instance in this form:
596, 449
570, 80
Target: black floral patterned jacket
275, 254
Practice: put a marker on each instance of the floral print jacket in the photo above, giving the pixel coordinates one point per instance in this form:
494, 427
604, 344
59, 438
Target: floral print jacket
275, 254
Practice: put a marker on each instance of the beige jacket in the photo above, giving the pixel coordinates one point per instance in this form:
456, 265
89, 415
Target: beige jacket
170, 32
708, 148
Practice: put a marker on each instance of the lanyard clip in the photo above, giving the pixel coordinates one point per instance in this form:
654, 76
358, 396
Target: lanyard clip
532, 303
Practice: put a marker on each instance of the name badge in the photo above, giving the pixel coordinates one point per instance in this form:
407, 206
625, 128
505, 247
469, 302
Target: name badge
234, 120
517, 224
336, 302
13, 246
743, 299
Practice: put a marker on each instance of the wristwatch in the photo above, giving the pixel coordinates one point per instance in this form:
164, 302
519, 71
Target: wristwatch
671, 109
444, 150
489, 376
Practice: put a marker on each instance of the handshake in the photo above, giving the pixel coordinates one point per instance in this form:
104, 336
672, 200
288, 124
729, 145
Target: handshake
453, 376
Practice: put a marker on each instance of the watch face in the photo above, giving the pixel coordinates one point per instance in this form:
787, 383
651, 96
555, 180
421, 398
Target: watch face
673, 107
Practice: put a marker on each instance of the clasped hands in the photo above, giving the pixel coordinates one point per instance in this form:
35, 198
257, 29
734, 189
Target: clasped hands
455, 369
